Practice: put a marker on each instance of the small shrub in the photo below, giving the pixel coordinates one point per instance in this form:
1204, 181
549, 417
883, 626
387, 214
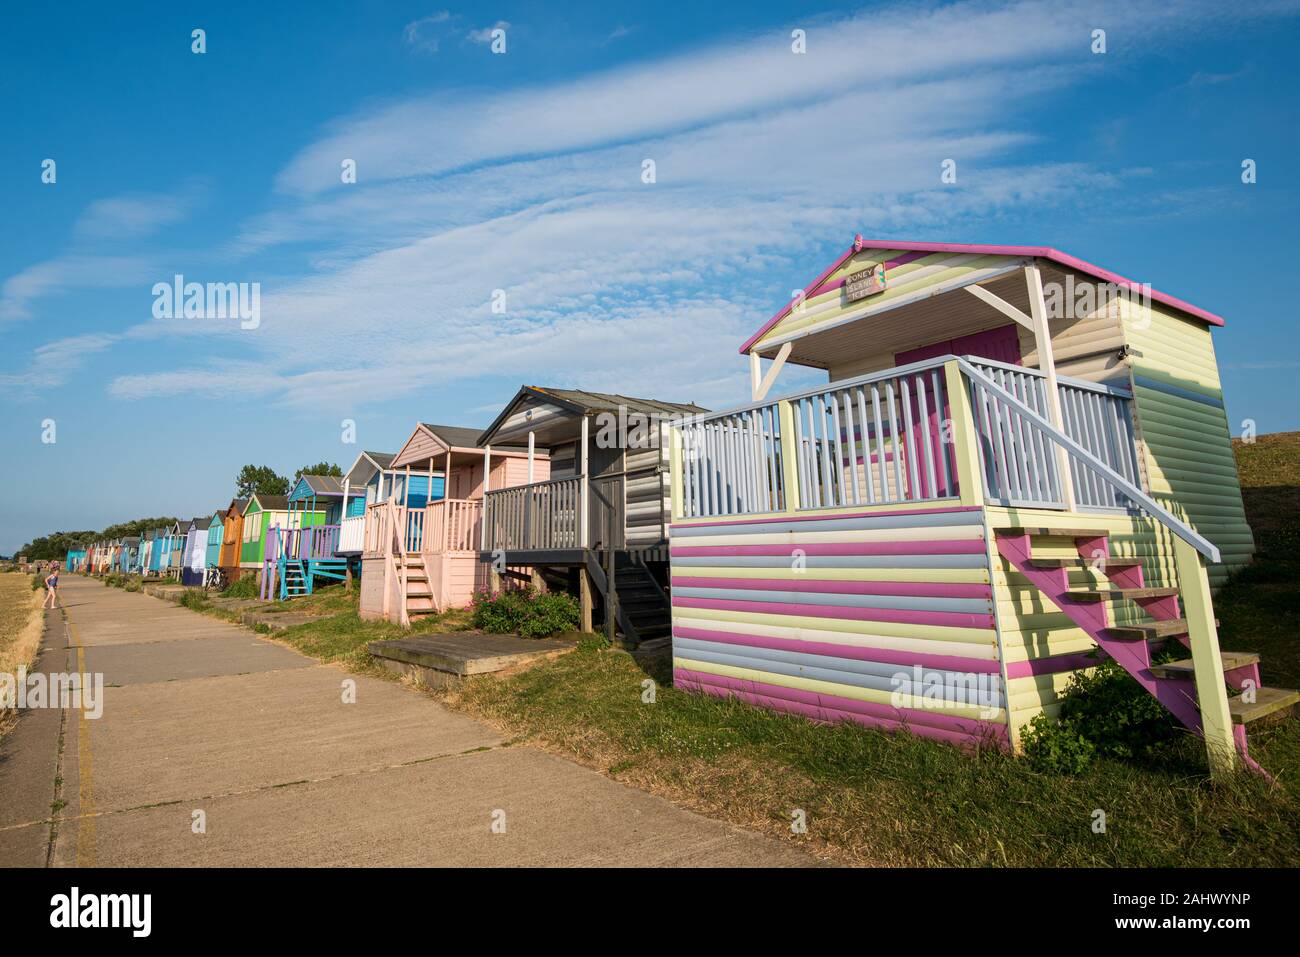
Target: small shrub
133, 585
1056, 747
245, 587
1103, 713
38, 582
525, 612
194, 599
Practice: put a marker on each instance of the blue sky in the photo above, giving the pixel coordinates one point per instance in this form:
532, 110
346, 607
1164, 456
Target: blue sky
521, 171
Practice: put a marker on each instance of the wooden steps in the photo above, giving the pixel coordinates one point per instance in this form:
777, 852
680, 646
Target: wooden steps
1114, 594
1230, 661
1268, 701
1043, 531
1149, 631
1047, 564
1172, 683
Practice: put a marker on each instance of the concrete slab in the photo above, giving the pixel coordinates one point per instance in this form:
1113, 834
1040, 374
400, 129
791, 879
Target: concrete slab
167, 741
439, 813
467, 652
186, 657
288, 773
276, 620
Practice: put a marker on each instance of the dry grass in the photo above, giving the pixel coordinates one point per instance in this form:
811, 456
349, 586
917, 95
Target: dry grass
20, 628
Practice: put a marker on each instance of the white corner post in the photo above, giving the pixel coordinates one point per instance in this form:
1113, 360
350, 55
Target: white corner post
487, 469
1207, 663
1047, 363
532, 438
584, 518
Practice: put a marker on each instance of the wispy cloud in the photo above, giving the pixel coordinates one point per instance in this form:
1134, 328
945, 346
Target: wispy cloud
761, 157
484, 34
64, 274
427, 33
135, 216
54, 363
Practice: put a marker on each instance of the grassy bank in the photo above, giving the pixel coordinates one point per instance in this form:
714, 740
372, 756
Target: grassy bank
871, 798
20, 627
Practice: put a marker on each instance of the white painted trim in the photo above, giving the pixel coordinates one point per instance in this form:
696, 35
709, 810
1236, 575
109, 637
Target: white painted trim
1001, 305
983, 275
1047, 365
761, 389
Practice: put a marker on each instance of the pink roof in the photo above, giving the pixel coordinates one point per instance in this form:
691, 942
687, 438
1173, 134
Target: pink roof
981, 249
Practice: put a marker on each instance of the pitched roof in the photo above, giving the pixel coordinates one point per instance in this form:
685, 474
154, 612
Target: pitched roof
203, 524
272, 503
979, 249
323, 484
382, 459
454, 435
612, 402
582, 403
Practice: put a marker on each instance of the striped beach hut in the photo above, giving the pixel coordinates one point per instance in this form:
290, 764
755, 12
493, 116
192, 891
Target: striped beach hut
1019, 463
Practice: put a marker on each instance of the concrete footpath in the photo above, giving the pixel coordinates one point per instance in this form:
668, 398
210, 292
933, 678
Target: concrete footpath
219, 748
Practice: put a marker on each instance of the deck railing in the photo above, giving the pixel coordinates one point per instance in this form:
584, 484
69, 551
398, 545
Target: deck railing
539, 515
452, 525
873, 440
352, 535
444, 525
888, 437
549, 515
1019, 464
315, 541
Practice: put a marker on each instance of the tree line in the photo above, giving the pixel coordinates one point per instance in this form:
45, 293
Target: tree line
252, 479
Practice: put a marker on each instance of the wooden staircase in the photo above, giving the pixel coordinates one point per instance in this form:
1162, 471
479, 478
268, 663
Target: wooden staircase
419, 589
643, 612
293, 579
1092, 608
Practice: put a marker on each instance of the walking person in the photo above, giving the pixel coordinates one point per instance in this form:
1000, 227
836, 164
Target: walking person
52, 587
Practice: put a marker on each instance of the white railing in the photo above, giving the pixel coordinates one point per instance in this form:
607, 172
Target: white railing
984, 389
732, 463
872, 440
352, 535
1014, 457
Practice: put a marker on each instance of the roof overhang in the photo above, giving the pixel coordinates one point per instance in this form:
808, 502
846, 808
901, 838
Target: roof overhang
911, 251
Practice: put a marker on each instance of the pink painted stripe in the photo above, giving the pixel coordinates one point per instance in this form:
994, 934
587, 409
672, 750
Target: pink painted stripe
886, 656
1051, 666
981, 249
826, 518
965, 546
833, 708
953, 619
836, 587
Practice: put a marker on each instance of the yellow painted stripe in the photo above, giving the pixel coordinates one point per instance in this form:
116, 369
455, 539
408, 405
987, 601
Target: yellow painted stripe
844, 691
941, 533
806, 622
839, 512
985, 650
940, 575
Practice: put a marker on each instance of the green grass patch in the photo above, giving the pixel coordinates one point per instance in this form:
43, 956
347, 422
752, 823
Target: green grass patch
877, 798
